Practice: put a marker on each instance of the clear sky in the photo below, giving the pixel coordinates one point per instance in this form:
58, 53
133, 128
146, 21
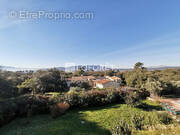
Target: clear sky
121, 32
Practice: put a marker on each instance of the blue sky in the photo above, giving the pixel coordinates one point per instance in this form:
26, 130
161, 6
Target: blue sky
121, 33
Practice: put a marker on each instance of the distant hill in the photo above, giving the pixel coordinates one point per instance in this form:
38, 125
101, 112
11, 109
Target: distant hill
163, 67
60, 68
8, 68
14, 69
87, 67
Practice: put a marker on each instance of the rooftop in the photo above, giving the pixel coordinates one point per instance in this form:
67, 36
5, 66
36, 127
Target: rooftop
104, 81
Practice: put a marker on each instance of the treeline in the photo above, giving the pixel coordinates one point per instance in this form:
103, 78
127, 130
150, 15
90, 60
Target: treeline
17, 83
156, 83
9, 82
28, 105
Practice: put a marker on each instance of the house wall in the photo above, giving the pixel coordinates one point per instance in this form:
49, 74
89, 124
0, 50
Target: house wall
100, 86
108, 85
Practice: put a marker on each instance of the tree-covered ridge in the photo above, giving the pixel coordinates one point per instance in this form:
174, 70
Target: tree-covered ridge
158, 82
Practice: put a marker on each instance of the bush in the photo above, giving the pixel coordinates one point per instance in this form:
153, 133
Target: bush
21, 106
72, 98
111, 96
137, 121
165, 118
132, 98
99, 97
77, 89
122, 128
83, 85
51, 80
30, 105
59, 109
7, 90
91, 98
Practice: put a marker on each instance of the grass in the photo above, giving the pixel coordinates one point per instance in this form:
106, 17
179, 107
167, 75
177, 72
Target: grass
168, 131
90, 121
150, 106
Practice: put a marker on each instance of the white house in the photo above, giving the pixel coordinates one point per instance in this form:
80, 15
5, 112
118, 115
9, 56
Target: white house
105, 83
114, 78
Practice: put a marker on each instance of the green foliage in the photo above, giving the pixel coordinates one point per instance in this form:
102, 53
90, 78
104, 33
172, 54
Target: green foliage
155, 87
110, 73
81, 84
77, 89
138, 65
113, 96
98, 121
167, 75
79, 72
164, 82
20, 106
27, 86
141, 121
158, 83
122, 128
94, 73
137, 121
165, 118
85, 85
136, 78
45, 81
175, 87
50, 81
132, 98
72, 97
9, 81
6, 88
150, 106
101, 97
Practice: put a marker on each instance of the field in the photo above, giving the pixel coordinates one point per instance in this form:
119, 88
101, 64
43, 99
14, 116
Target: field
89, 121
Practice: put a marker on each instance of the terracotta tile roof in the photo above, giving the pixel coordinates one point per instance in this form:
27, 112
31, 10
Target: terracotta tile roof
104, 81
113, 77
81, 78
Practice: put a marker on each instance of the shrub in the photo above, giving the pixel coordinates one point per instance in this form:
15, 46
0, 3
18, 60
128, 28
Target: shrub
112, 96
81, 84
165, 118
137, 121
50, 80
12, 108
122, 128
99, 97
72, 98
6, 88
28, 104
59, 109
77, 89
7, 112
96, 98
132, 98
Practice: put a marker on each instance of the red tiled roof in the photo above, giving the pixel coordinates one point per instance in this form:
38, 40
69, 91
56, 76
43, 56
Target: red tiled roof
81, 78
113, 78
104, 81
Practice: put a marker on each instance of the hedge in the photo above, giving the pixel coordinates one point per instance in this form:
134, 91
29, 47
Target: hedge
30, 105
